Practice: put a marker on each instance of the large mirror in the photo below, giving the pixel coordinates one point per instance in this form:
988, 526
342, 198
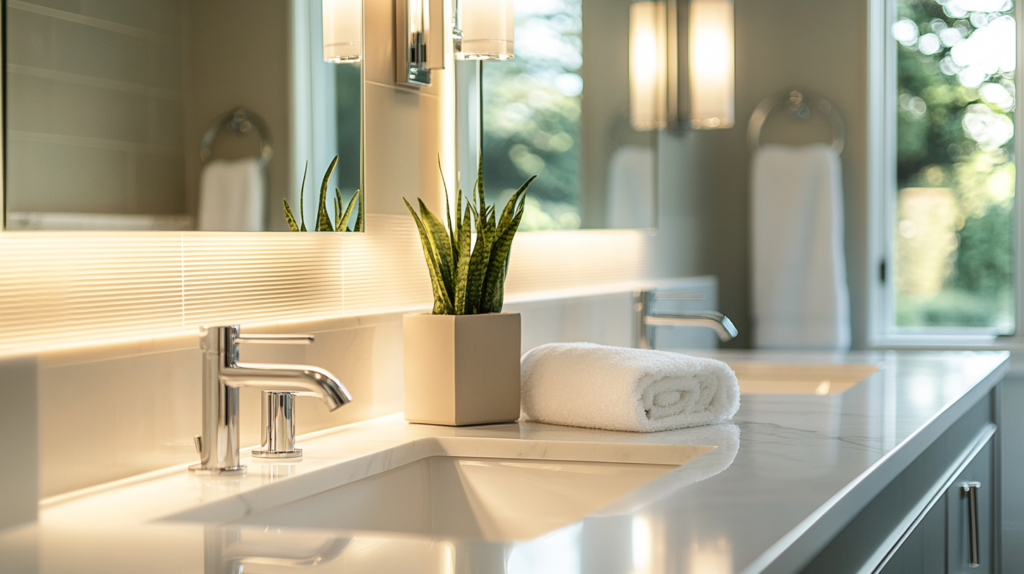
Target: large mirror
181, 114
560, 109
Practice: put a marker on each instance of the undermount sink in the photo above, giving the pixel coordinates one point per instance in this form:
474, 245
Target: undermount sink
468, 489
799, 379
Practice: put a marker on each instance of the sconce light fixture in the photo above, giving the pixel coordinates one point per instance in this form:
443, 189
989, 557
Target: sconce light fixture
419, 37
681, 64
484, 29
343, 30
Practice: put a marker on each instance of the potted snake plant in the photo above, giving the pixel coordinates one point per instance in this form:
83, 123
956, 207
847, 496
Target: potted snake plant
462, 359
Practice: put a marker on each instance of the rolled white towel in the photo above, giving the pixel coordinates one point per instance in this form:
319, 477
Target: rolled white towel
617, 388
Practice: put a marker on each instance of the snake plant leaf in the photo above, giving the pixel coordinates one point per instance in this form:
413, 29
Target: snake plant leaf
514, 203
462, 267
343, 221
493, 289
481, 198
477, 268
302, 203
358, 227
337, 211
323, 222
289, 217
442, 304
452, 236
442, 247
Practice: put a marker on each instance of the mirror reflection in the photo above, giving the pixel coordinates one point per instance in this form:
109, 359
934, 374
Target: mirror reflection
180, 114
561, 109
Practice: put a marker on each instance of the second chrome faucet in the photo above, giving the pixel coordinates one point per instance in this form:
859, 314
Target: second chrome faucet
224, 375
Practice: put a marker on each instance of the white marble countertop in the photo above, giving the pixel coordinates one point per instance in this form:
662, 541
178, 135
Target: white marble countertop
799, 466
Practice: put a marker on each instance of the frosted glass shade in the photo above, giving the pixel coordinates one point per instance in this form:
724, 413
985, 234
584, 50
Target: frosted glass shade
488, 29
648, 69
343, 30
712, 64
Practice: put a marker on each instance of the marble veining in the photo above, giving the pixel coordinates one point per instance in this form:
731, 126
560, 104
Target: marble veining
736, 508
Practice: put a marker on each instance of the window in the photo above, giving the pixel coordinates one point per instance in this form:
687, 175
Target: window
951, 217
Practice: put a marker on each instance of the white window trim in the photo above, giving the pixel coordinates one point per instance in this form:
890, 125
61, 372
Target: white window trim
881, 175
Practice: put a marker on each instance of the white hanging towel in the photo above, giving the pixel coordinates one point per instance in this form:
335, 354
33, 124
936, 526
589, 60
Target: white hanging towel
631, 188
232, 196
800, 296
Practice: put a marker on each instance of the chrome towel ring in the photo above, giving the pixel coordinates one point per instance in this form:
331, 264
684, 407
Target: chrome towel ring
241, 121
799, 105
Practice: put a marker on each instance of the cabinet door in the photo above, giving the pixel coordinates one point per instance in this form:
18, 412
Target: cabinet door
924, 551
979, 471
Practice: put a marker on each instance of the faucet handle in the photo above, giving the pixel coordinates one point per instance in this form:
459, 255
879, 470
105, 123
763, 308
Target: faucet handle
276, 339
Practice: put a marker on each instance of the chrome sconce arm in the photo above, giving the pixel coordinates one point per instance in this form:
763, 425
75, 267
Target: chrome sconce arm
419, 41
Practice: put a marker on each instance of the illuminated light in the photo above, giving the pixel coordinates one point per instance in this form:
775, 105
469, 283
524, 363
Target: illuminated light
648, 67
485, 30
641, 545
712, 64
655, 94
823, 388
343, 30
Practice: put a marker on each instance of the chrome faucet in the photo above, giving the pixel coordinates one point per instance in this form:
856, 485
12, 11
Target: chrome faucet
223, 376
646, 320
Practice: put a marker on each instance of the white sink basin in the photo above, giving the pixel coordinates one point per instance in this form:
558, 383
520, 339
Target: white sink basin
468, 489
799, 379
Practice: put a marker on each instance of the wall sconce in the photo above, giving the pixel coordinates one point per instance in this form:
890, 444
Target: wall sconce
343, 30
681, 64
419, 37
484, 29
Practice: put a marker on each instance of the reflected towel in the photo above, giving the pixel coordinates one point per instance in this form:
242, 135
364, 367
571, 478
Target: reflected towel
800, 297
616, 388
232, 196
631, 188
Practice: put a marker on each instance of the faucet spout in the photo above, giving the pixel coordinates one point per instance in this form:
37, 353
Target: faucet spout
302, 380
224, 375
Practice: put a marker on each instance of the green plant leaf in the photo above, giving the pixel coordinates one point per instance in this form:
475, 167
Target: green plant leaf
337, 211
479, 185
477, 266
358, 227
302, 203
343, 226
323, 221
442, 247
494, 283
289, 217
462, 268
442, 304
452, 237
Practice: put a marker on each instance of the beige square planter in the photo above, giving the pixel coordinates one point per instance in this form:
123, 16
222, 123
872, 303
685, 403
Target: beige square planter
461, 369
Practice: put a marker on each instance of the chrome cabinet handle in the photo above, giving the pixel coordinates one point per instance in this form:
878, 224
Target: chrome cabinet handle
971, 490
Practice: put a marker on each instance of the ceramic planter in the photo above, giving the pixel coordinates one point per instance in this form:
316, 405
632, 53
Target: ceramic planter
461, 369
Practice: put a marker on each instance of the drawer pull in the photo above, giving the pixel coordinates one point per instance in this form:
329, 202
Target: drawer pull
971, 490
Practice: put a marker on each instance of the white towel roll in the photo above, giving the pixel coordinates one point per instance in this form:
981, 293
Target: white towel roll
616, 388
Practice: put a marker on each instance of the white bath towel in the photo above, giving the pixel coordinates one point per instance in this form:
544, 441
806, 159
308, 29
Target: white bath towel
616, 388
631, 190
232, 196
799, 292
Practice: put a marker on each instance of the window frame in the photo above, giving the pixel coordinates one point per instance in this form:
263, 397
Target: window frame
882, 333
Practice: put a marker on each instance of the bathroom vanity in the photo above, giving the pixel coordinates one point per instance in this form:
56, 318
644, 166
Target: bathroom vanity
809, 477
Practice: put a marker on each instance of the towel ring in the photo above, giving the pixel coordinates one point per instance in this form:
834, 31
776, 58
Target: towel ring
241, 121
799, 105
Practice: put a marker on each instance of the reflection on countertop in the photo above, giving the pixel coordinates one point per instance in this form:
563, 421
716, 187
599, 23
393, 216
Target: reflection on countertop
730, 509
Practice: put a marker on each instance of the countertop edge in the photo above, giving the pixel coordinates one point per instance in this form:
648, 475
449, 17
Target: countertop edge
800, 545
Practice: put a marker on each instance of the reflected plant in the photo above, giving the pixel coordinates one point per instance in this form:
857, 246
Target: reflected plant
342, 213
465, 281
